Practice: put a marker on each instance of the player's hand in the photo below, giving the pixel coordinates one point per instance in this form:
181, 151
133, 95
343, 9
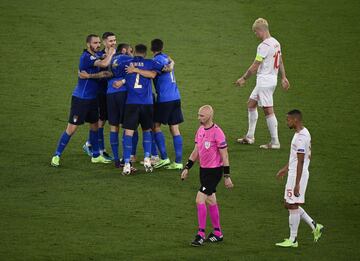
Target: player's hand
281, 174
285, 83
83, 75
111, 51
118, 84
240, 82
184, 174
297, 190
130, 69
105, 74
228, 183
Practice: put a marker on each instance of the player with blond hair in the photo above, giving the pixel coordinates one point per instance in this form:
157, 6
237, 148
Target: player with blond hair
267, 63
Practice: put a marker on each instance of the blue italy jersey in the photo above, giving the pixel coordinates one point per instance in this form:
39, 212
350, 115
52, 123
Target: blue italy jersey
87, 88
165, 83
118, 72
103, 81
140, 88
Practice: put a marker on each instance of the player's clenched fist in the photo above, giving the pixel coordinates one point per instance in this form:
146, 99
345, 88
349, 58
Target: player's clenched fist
228, 183
184, 174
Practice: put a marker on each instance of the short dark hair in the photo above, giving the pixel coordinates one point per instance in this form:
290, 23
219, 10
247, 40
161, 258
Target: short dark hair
157, 45
295, 113
141, 49
89, 37
122, 46
107, 34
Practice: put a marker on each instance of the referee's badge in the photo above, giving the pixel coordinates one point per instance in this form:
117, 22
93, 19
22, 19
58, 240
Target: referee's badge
207, 144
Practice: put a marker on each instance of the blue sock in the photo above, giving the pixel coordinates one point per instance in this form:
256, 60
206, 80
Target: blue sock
127, 143
64, 140
154, 151
101, 139
135, 141
178, 146
160, 141
94, 140
147, 143
114, 142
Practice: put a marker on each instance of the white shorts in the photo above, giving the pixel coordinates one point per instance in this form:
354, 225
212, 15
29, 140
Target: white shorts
263, 95
289, 189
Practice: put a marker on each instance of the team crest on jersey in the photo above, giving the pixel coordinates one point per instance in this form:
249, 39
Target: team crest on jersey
207, 144
92, 57
75, 118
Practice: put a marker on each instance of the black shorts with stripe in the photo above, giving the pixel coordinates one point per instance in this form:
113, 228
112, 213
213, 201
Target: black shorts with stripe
209, 179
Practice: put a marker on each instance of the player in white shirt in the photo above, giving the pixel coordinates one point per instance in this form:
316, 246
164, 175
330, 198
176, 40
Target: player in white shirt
298, 176
268, 62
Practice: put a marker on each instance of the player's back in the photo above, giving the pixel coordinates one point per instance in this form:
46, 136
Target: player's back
87, 88
118, 72
139, 87
301, 143
270, 50
165, 83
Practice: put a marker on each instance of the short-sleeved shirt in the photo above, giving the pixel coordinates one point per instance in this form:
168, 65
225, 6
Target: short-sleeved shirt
87, 88
209, 142
301, 143
268, 52
139, 88
118, 73
165, 83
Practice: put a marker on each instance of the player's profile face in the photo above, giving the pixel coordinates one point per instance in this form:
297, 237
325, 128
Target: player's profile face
290, 122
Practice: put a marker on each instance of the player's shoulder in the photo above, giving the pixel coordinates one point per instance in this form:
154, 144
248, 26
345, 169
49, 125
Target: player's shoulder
87, 55
305, 132
217, 128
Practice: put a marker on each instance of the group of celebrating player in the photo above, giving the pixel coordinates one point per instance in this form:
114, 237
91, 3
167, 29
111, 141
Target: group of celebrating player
116, 85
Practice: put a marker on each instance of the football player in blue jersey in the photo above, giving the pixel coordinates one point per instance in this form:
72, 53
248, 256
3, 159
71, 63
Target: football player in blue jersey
139, 102
167, 109
84, 106
109, 41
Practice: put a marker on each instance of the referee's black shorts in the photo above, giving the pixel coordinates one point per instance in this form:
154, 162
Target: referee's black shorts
209, 179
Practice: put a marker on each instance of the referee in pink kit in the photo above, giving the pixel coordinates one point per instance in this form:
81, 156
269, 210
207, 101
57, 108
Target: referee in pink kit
211, 151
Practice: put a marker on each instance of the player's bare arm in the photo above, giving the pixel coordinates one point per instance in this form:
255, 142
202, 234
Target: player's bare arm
225, 159
169, 67
252, 70
146, 73
282, 172
284, 81
193, 157
102, 74
299, 170
107, 60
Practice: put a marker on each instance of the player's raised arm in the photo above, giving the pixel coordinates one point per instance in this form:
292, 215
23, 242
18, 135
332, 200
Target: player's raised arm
252, 70
107, 60
169, 67
193, 157
102, 74
284, 81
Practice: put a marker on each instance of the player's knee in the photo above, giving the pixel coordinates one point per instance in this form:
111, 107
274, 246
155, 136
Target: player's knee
70, 129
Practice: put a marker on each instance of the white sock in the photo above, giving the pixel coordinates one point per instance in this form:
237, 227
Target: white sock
272, 124
304, 216
294, 221
253, 116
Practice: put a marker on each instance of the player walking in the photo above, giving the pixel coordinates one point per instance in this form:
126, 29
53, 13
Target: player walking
267, 63
298, 175
211, 151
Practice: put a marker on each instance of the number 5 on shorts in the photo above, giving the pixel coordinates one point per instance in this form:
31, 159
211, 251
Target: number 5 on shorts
289, 193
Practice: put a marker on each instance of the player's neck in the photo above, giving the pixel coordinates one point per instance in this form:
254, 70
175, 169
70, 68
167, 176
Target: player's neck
266, 36
90, 51
299, 128
208, 125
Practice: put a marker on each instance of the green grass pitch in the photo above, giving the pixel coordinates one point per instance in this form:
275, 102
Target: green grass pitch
90, 212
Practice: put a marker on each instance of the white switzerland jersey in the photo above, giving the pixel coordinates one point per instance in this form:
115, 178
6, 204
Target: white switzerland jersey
301, 143
268, 52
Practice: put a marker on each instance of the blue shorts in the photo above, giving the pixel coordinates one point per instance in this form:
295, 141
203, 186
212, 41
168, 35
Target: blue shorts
116, 107
83, 110
168, 113
136, 114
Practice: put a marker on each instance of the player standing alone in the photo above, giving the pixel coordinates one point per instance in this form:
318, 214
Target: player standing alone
211, 151
298, 175
267, 63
